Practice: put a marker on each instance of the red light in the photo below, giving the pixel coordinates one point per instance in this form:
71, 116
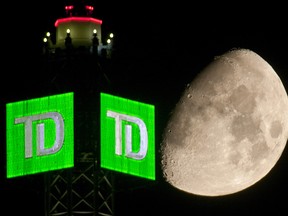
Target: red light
70, 7
78, 19
91, 8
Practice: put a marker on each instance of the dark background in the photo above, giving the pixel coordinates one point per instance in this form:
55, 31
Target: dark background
160, 48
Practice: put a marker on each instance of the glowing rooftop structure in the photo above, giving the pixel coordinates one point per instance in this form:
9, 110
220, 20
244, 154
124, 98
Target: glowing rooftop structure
78, 30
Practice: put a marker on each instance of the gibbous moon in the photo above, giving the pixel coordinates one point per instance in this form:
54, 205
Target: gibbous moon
228, 129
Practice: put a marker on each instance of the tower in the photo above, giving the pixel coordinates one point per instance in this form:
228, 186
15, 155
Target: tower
74, 57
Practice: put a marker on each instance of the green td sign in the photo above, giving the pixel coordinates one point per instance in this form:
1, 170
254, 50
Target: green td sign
127, 136
40, 135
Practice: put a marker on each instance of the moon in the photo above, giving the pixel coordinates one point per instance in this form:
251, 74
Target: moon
228, 129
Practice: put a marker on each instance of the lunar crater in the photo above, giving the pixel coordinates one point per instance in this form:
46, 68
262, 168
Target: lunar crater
275, 129
243, 100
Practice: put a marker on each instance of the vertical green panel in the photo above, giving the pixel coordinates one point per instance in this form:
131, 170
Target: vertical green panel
40, 135
118, 117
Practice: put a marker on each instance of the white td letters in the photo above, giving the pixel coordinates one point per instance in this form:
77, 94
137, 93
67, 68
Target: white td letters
41, 150
128, 135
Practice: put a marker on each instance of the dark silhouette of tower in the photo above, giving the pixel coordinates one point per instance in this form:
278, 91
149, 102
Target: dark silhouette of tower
74, 64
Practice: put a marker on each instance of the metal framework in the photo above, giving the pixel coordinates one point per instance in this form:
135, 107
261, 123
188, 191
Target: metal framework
83, 190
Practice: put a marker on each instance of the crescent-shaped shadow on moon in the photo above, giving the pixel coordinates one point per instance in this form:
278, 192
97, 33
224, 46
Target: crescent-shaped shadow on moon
228, 129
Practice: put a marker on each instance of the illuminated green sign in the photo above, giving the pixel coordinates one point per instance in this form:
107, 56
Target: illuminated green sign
40, 135
127, 136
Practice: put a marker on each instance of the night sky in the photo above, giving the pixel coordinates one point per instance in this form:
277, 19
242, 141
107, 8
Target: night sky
160, 48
